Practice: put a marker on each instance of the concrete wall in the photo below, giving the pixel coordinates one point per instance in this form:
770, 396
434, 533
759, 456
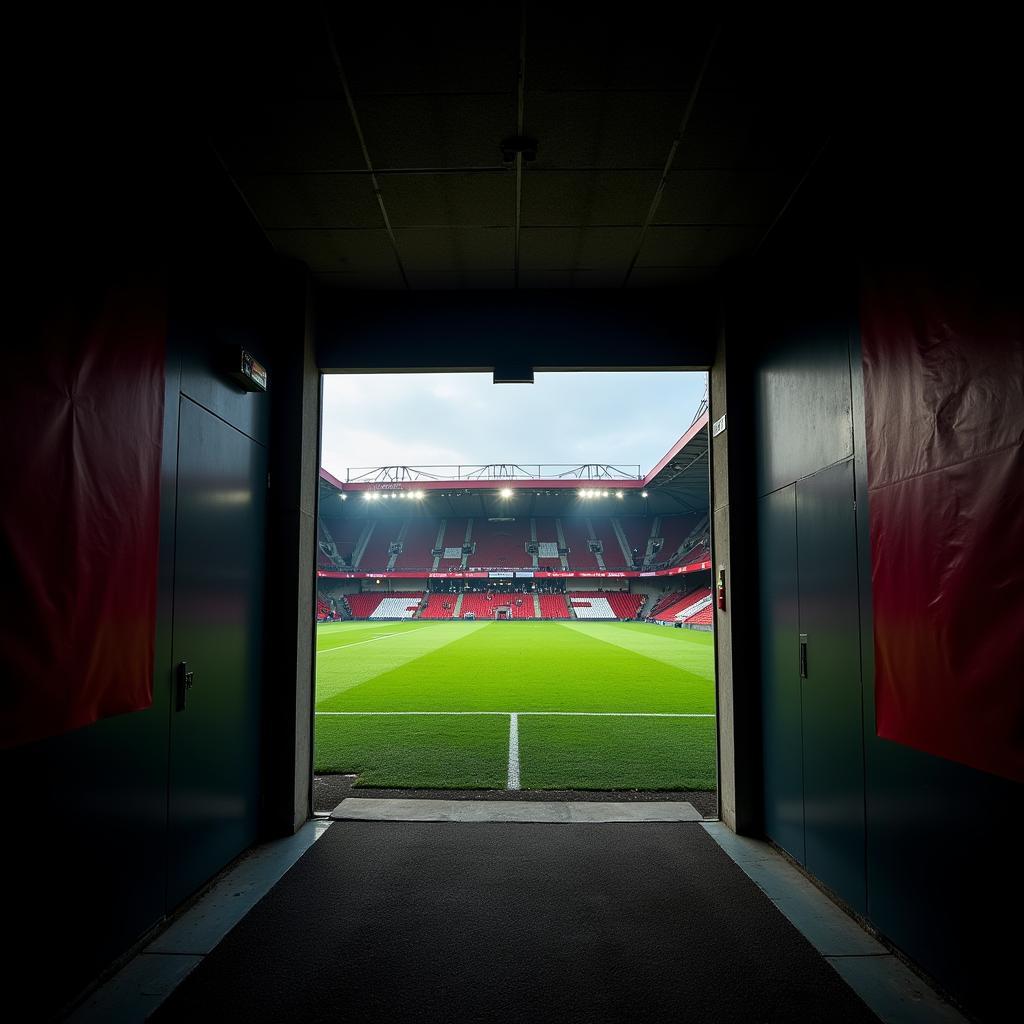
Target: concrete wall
920, 849
121, 846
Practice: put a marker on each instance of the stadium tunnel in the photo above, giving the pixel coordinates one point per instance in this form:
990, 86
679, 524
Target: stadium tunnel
826, 215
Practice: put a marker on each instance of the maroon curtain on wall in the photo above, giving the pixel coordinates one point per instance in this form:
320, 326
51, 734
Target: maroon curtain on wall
944, 398
79, 523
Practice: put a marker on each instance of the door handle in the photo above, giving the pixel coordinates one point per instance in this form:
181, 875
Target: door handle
185, 679
803, 655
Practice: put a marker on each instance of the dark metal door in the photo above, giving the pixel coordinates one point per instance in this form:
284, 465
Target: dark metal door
831, 699
218, 609
780, 678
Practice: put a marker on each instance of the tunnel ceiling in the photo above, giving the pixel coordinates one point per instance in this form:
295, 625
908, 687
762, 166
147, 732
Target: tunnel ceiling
665, 146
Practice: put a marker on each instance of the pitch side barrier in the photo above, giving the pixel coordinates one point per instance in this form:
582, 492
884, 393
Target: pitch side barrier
518, 574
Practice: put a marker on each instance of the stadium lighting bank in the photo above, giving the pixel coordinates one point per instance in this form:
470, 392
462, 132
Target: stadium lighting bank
506, 492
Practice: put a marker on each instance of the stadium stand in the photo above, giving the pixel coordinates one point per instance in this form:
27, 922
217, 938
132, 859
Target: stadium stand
365, 606
553, 606
484, 605
420, 535
400, 606
674, 530
690, 601
346, 534
702, 618
547, 533
454, 535
591, 606
637, 530
576, 536
375, 554
323, 609
501, 544
439, 606
698, 554
625, 606
665, 601
605, 532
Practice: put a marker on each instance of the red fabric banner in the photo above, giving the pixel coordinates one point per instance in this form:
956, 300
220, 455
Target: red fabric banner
944, 399
79, 525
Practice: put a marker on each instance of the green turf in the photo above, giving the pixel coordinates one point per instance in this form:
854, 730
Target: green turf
515, 667
419, 751
617, 753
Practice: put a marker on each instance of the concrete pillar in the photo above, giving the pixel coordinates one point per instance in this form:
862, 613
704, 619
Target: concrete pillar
734, 549
291, 563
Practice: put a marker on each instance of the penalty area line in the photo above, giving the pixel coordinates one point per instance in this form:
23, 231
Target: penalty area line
513, 751
379, 636
566, 714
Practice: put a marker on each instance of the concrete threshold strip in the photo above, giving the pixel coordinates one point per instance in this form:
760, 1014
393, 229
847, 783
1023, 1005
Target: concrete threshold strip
544, 812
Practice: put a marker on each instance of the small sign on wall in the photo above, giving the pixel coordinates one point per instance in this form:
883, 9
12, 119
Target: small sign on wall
718, 426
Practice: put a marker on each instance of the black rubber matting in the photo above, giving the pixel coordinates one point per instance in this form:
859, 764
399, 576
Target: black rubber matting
398, 921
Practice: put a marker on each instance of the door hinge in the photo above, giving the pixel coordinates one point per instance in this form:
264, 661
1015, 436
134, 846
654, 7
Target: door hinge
803, 655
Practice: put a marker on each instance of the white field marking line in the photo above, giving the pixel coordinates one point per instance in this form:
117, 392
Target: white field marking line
567, 714
513, 751
379, 636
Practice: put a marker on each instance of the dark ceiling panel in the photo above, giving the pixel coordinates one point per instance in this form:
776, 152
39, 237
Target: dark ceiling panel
696, 247
312, 201
434, 280
723, 196
418, 200
437, 131
588, 47
270, 55
311, 135
336, 250
569, 248
571, 278
671, 277
755, 130
603, 129
433, 48
462, 248
381, 279
605, 94
586, 198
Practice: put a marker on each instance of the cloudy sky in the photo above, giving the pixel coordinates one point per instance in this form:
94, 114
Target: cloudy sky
451, 418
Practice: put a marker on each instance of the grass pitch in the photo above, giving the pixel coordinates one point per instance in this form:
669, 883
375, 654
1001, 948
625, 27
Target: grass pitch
598, 705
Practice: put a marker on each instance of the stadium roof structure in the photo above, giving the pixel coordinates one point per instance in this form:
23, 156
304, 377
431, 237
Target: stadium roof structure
677, 483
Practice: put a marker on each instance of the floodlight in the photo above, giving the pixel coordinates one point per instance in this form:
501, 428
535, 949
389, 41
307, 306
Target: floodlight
344, 497
643, 494
618, 494
604, 494
367, 496
583, 494
506, 492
